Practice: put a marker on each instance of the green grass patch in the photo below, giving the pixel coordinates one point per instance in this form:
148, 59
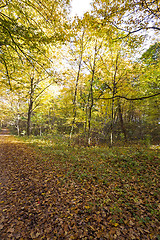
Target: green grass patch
123, 180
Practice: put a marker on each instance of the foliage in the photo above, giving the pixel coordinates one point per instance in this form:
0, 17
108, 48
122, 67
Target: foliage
26, 27
72, 84
106, 90
152, 55
127, 15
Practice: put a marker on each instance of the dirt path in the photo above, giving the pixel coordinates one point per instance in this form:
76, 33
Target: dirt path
33, 203
4, 132
23, 188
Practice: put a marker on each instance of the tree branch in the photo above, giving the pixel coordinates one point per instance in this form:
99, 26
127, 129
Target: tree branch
134, 31
42, 91
130, 99
3, 6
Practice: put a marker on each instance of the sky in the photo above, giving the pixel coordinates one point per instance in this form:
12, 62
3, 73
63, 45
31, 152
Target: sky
79, 7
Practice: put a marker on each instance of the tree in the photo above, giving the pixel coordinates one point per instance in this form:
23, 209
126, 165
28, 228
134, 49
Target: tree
92, 65
128, 16
13, 108
150, 82
115, 78
26, 27
81, 51
35, 84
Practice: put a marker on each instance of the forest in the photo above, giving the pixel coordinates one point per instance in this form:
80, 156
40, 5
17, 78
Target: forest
94, 79
79, 120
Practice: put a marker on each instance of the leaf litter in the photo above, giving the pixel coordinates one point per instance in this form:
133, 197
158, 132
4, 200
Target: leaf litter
51, 191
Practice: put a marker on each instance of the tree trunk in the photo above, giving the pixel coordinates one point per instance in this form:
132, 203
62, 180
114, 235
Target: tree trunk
76, 87
112, 120
18, 130
113, 98
29, 118
90, 98
40, 131
30, 106
123, 129
17, 125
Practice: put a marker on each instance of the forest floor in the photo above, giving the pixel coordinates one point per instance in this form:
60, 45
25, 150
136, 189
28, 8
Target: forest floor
50, 190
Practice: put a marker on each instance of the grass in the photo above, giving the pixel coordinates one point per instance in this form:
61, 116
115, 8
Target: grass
122, 182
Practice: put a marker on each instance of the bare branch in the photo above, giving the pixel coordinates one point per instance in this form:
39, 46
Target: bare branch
130, 99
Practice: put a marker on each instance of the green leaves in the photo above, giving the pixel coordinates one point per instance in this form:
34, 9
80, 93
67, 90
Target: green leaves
26, 28
152, 55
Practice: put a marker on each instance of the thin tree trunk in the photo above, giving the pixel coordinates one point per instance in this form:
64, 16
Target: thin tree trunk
85, 124
123, 129
112, 120
18, 128
89, 122
18, 131
76, 87
90, 108
29, 118
113, 100
30, 107
91, 96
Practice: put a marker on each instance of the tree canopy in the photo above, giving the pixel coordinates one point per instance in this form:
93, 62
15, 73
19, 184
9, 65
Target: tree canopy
26, 28
106, 80
131, 16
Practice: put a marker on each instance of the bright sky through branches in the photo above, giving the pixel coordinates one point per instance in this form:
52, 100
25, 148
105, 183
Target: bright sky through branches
79, 7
